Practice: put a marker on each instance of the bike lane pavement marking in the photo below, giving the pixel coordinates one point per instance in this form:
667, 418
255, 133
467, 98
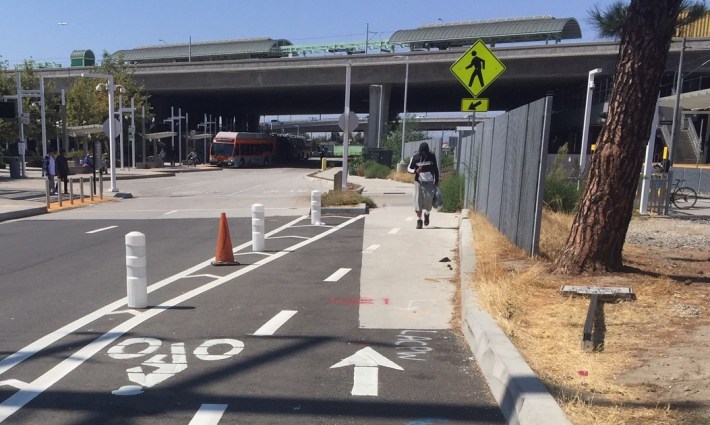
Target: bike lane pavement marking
18, 400
23, 354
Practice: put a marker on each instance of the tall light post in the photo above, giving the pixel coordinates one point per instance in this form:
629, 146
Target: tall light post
400, 166
110, 87
585, 127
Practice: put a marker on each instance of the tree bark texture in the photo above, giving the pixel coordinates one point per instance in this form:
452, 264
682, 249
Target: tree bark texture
599, 229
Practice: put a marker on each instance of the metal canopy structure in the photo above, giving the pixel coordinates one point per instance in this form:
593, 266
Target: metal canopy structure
161, 135
459, 34
204, 51
84, 130
694, 100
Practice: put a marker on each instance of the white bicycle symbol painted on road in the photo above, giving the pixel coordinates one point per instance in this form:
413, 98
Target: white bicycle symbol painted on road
163, 369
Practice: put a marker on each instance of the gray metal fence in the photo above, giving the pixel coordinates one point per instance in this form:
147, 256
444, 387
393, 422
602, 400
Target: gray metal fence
504, 164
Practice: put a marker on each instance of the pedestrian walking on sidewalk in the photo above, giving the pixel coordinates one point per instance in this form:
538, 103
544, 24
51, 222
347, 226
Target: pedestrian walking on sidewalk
62, 170
426, 179
50, 170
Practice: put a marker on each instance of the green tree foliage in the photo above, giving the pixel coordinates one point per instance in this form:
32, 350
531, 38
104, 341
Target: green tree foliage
9, 128
393, 140
86, 105
609, 21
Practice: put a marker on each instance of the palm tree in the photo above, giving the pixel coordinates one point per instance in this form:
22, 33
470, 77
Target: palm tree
645, 29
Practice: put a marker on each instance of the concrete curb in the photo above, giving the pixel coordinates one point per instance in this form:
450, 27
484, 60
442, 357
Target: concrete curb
348, 210
523, 399
23, 213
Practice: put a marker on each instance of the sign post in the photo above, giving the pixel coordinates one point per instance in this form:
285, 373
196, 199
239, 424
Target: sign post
346, 123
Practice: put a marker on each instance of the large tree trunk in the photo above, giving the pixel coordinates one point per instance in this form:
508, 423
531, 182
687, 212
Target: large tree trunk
597, 237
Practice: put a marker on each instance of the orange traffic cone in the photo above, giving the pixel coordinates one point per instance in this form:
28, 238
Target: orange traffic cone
224, 255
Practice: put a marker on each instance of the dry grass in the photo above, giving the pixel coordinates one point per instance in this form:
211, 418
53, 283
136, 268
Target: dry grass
336, 198
401, 177
547, 328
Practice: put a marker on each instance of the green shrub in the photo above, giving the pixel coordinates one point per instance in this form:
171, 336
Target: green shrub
561, 193
375, 170
355, 166
447, 161
452, 189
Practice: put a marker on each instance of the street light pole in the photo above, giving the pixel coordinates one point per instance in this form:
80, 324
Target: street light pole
587, 118
111, 87
400, 167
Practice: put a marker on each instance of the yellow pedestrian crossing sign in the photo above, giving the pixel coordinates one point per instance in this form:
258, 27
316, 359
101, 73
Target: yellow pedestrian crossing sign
477, 68
474, 105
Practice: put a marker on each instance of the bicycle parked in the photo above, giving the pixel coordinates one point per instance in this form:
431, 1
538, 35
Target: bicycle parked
683, 197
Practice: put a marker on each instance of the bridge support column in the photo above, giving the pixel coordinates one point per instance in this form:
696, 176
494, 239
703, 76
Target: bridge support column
379, 111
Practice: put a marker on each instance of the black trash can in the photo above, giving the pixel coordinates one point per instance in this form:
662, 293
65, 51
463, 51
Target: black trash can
15, 171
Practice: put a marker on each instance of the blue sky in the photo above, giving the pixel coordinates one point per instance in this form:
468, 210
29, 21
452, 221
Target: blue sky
31, 29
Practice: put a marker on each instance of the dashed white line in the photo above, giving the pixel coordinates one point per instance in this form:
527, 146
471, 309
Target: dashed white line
370, 249
337, 275
393, 231
18, 400
100, 230
209, 414
171, 212
275, 323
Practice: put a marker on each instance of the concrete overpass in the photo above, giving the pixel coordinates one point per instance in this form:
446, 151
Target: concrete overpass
328, 125
248, 89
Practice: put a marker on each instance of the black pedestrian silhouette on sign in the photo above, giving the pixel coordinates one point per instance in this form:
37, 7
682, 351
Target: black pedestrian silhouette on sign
478, 66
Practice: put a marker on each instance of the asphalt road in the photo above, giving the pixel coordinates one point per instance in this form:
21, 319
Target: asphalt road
273, 340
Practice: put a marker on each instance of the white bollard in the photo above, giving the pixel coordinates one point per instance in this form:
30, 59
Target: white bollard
315, 208
257, 227
136, 276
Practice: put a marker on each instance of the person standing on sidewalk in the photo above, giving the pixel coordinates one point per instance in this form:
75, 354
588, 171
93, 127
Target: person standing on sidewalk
62, 170
426, 179
50, 169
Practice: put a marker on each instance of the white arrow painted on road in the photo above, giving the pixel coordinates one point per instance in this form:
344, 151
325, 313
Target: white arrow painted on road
366, 362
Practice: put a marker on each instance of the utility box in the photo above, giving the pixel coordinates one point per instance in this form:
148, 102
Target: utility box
338, 181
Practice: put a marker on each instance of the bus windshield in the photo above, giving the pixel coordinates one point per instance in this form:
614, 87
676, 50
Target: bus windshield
223, 149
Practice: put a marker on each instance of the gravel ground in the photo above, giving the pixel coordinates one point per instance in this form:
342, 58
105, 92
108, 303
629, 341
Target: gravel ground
673, 233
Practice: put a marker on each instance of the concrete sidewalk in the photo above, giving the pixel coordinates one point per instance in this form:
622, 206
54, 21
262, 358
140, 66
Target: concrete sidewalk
14, 193
415, 271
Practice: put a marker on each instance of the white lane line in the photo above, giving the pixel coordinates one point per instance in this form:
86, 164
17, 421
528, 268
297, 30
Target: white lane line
370, 249
410, 218
275, 323
16, 358
209, 414
18, 400
20, 385
211, 276
394, 231
337, 275
171, 212
127, 311
100, 230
